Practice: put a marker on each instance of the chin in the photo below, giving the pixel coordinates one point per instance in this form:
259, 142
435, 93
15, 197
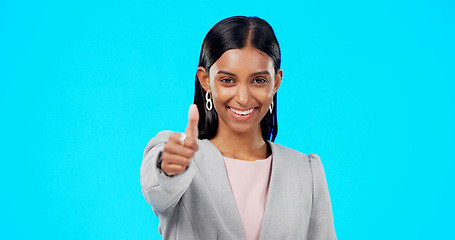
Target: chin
243, 127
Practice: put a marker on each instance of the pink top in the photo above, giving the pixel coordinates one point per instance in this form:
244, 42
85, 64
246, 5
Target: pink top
250, 184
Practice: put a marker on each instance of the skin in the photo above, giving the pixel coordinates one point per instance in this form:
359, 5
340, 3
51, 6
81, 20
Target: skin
175, 156
241, 79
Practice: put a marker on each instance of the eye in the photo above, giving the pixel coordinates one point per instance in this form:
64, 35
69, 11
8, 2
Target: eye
260, 80
226, 80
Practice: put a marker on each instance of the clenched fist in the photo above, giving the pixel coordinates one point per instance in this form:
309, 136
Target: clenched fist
176, 157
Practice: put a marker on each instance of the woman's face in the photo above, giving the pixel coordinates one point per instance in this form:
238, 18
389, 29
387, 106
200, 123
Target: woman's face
243, 83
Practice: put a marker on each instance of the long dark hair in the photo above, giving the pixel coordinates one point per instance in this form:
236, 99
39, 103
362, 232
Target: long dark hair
236, 33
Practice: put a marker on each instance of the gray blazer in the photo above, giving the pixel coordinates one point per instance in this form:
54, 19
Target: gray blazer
199, 204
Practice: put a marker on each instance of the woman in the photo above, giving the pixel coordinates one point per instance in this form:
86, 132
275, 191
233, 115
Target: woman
222, 178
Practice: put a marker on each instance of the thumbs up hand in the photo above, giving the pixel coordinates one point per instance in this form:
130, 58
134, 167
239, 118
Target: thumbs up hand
181, 146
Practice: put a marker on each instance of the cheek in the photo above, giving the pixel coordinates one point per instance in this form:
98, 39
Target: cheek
263, 95
221, 94
219, 100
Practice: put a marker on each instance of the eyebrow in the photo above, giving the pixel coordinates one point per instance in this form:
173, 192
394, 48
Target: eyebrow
251, 75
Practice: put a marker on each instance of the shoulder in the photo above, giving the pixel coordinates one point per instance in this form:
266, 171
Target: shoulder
288, 153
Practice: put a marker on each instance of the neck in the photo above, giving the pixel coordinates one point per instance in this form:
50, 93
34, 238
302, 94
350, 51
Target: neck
244, 146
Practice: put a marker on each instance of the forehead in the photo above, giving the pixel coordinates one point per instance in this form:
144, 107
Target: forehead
246, 59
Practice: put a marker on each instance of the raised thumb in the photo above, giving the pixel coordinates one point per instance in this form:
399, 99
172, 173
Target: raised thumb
193, 120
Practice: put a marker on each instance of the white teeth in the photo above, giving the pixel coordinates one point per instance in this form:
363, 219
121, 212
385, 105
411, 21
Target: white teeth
242, 112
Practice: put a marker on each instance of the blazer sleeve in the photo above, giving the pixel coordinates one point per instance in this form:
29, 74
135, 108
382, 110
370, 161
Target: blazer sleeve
160, 191
321, 219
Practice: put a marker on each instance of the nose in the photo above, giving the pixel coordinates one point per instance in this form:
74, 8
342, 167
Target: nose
242, 95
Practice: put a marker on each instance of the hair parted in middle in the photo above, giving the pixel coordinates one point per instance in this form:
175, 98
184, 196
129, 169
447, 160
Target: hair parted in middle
236, 33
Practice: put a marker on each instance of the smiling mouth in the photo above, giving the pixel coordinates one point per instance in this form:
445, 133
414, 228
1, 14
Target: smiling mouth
242, 113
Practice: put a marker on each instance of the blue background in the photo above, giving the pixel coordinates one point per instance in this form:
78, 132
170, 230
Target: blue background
368, 85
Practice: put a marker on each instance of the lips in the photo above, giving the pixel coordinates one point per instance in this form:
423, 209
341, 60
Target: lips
242, 114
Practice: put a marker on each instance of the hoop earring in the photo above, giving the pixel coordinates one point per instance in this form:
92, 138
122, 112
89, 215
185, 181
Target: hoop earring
208, 103
271, 107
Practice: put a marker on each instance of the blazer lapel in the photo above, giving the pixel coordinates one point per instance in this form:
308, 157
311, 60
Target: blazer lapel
215, 169
289, 195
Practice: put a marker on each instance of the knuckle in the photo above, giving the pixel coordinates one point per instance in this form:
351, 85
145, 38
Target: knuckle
174, 136
164, 156
166, 147
164, 165
186, 162
188, 153
169, 148
191, 154
194, 144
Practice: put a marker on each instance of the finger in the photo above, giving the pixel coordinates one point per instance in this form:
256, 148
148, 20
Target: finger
193, 120
175, 146
175, 137
191, 143
172, 169
169, 158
